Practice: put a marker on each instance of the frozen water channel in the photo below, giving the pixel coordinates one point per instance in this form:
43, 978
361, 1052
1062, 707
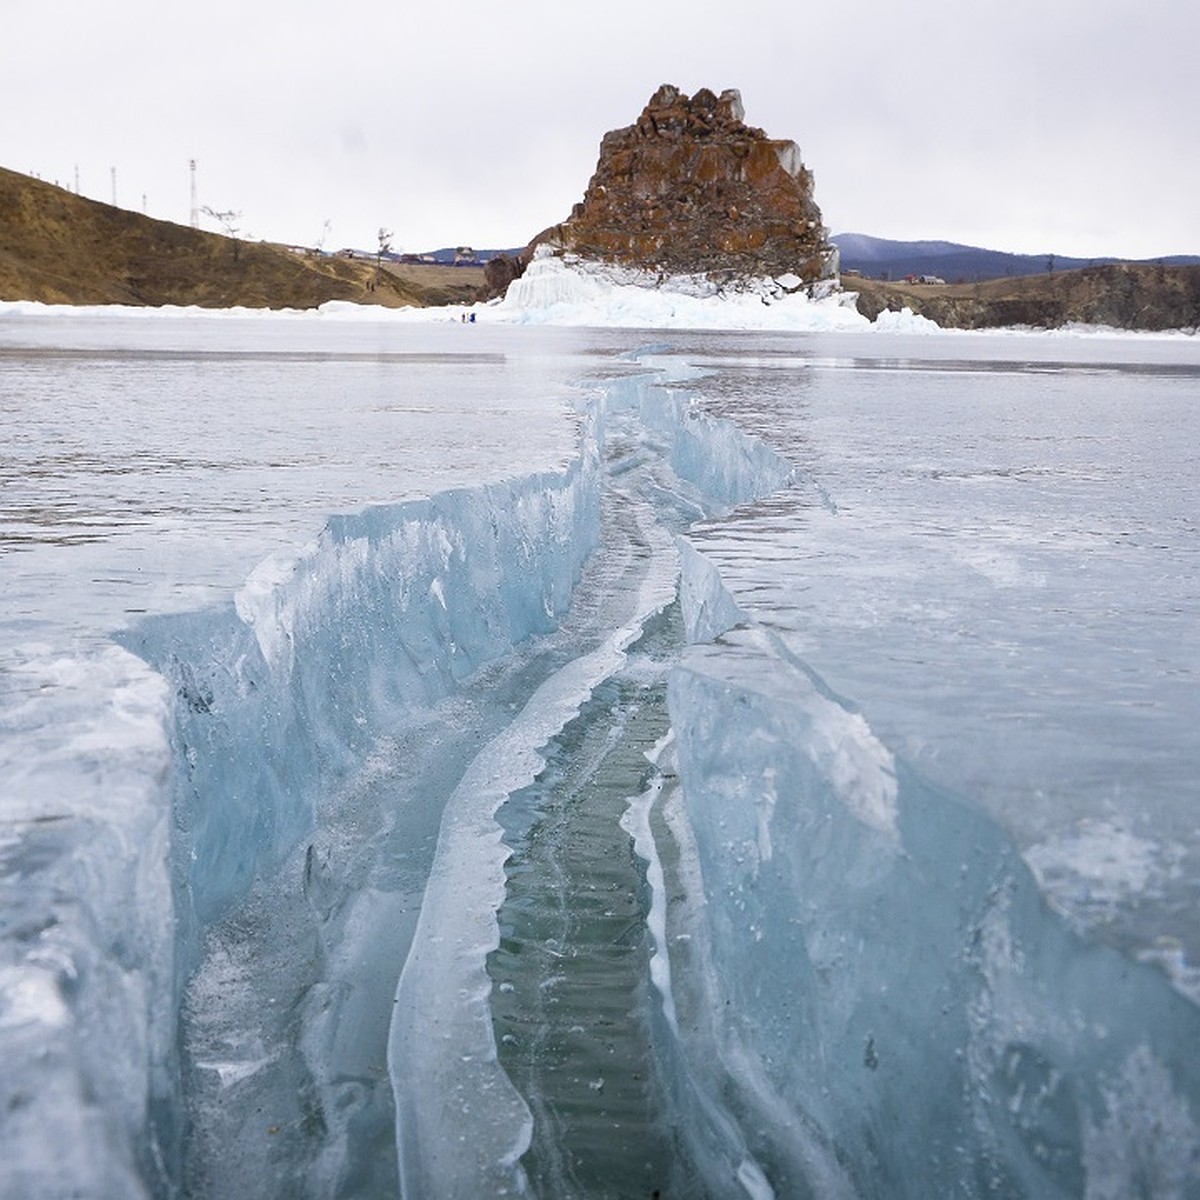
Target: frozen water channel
445, 760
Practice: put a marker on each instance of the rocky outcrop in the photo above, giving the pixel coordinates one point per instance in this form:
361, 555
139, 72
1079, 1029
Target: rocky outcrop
499, 272
691, 189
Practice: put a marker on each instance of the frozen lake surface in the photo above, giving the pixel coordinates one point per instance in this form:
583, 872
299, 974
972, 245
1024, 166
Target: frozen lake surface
476, 760
993, 550
169, 456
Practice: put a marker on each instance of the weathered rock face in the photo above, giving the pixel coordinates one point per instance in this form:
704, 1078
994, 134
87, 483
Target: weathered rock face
691, 188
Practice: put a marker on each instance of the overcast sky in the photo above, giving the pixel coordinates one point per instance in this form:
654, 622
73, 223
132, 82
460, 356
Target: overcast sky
1066, 126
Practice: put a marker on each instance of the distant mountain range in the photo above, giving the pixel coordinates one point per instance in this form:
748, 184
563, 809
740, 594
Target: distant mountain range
880, 258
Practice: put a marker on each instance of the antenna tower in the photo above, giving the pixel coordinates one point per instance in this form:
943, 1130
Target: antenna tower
195, 210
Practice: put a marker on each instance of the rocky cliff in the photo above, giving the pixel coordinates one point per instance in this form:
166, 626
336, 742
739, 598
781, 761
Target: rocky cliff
690, 188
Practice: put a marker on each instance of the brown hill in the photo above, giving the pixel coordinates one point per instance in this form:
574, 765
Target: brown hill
60, 248
1122, 295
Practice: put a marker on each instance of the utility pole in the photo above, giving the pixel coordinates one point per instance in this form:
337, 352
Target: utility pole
195, 210
114, 183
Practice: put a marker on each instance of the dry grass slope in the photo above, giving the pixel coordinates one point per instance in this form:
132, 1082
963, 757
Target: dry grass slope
60, 248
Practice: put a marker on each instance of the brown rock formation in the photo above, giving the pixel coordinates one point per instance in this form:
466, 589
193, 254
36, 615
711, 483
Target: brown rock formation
689, 188
500, 271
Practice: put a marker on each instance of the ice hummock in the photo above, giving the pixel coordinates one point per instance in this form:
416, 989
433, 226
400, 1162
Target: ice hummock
110, 514
87, 958
285, 726
664, 464
921, 960
573, 291
807, 874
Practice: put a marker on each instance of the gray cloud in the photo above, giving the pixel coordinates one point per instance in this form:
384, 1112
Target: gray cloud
1019, 125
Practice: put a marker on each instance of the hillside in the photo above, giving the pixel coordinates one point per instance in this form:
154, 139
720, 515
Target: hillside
1122, 295
60, 248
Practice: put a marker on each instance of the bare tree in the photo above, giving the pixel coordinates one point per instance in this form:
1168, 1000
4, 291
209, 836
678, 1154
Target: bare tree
230, 223
385, 247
